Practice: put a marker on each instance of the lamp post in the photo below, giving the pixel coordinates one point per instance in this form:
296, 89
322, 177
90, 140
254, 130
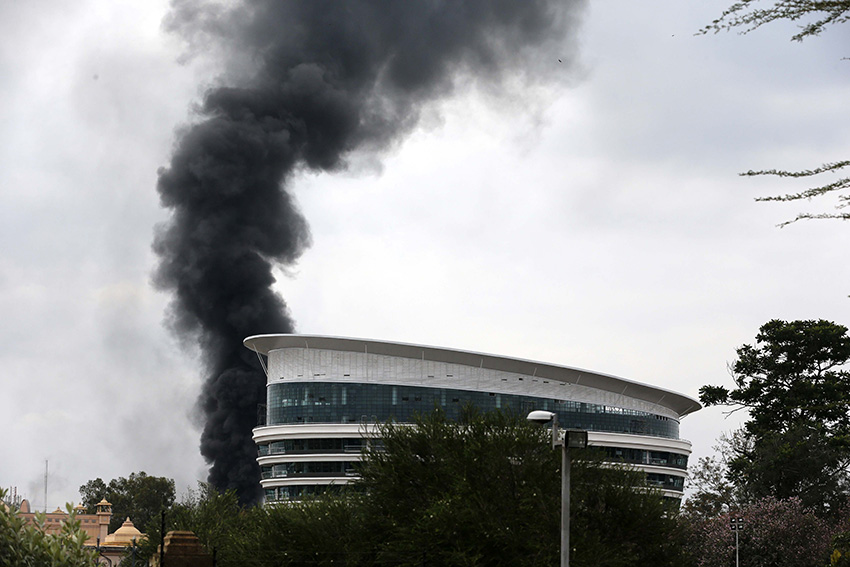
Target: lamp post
571, 439
737, 525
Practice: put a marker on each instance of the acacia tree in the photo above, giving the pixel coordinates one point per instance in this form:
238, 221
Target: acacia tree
747, 15
815, 15
796, 387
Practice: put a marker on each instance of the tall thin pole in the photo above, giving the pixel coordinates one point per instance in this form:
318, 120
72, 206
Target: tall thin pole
162, 539
737, 524
565, 489
737, 564
566, 463
45, 486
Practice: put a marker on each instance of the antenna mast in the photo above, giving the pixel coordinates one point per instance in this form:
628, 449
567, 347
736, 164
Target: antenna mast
45, 486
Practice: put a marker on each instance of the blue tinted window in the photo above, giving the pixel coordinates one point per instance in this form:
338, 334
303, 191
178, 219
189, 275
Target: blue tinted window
334, 402
640, 456
667, 481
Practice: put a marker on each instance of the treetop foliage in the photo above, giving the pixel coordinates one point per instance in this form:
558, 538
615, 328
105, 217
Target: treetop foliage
479, 492
794, 373
712, 494
777, 533
834, 186
140, 497
816, 15
746, 16
795, 384
486, 491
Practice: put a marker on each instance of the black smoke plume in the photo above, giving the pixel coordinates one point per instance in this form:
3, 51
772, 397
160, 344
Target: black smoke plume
307, 85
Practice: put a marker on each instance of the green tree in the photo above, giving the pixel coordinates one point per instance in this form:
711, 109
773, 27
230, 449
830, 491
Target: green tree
23, 544
815, 16
215, 517
777, 533
794, 384
802, 462
486, 491
139, 497
840, 556
482, 491
93, 492
794, 373
331, 529
712, 493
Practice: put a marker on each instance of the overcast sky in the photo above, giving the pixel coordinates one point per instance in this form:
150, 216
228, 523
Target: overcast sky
598, 223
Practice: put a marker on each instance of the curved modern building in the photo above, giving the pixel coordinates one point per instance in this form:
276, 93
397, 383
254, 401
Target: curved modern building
325, 396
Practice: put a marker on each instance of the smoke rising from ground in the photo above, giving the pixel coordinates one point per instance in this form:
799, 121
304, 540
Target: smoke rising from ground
307, 84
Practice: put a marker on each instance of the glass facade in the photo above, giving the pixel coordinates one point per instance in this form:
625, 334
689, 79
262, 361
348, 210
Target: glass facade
338, 469
665, 481
304, 446
642, 457
291, 403
309, 469
299, 492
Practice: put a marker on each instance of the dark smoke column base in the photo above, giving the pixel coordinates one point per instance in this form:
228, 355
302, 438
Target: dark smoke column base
325, 396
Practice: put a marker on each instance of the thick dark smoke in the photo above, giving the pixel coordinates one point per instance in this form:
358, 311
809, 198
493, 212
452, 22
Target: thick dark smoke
307, 85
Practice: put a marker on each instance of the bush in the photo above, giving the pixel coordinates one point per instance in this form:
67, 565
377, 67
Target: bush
23, 544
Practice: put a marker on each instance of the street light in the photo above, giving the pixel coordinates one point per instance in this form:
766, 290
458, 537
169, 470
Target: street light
737, 525
571, 439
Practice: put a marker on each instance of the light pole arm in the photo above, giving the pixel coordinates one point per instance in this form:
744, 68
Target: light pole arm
557, 440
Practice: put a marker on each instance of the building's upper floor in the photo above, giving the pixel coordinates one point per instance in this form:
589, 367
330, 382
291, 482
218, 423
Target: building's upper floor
318, 379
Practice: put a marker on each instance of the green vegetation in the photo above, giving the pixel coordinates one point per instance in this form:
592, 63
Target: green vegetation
482, 491
814, 16
485, 490
139, 497
786, 470
817, 15
23, 544
796, 388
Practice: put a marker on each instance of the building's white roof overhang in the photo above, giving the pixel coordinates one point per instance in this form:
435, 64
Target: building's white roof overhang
679, 403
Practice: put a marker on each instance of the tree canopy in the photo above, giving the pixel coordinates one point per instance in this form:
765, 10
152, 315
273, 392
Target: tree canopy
482, 491
796, 443
486, 491
816, 16
140, 497
777, 533
795, 373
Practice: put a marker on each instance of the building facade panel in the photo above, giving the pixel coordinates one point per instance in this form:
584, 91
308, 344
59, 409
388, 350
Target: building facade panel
314, 365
